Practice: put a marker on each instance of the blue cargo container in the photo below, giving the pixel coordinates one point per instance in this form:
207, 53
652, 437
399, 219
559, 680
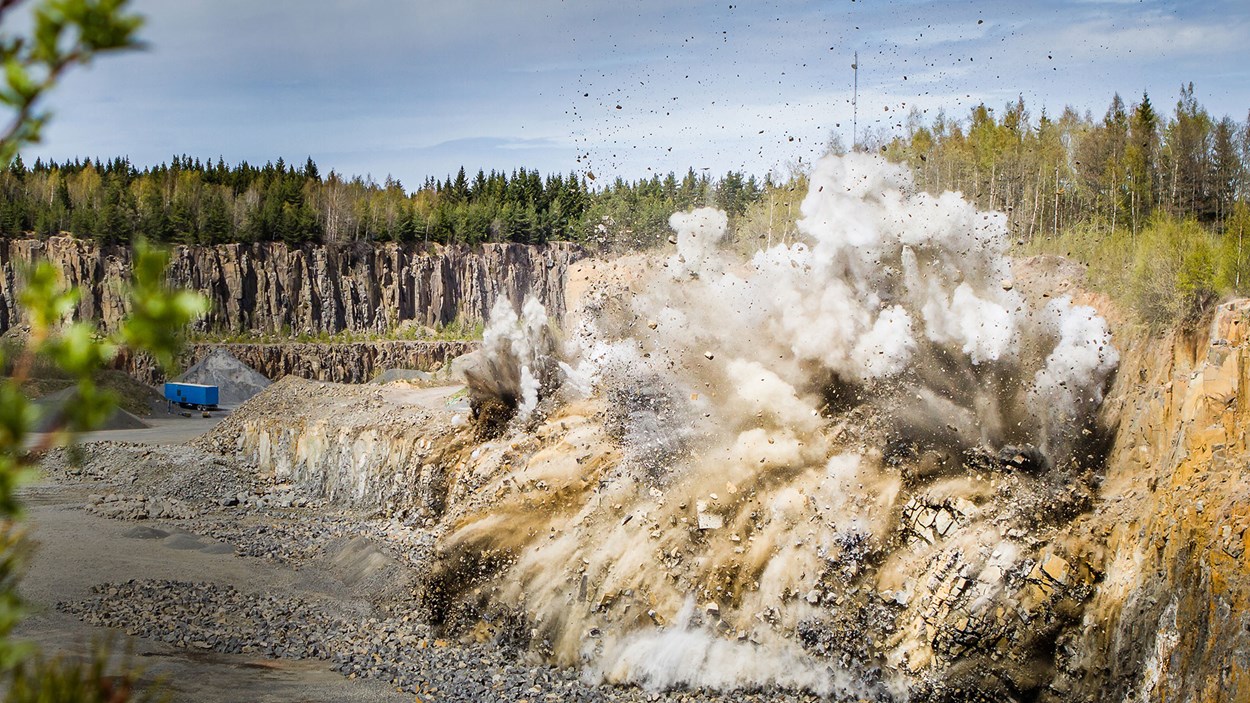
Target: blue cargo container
191, 395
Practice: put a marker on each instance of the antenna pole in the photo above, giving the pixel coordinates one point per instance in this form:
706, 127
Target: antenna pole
855, 104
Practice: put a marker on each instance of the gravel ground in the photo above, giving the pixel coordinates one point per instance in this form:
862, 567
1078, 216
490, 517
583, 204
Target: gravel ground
186, 498
401, 651
181, 472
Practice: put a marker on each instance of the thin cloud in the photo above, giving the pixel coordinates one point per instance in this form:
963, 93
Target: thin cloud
415, 88
934, 34
1158, 36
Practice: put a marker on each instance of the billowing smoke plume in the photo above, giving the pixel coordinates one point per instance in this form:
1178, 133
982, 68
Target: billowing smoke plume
773, 452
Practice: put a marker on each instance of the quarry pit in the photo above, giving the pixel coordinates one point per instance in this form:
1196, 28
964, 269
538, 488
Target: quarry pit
915, 470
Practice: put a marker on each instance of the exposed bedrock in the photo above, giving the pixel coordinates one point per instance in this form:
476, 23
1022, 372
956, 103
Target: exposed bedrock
1169, 619
272, 287
367, 447
345, 362
1140, 591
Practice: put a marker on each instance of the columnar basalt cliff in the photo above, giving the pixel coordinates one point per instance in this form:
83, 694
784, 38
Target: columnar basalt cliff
272, 287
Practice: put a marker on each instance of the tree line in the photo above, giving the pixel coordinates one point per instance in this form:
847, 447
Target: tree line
188, 201
1153, 202
1053, 173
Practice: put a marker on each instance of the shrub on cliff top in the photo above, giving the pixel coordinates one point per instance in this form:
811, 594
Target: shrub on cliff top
1167, 273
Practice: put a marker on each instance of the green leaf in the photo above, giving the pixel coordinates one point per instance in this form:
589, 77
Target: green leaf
45, 301
158, 315
102, 24
90, 408
17, 416
78, 351
47, 35
19, 80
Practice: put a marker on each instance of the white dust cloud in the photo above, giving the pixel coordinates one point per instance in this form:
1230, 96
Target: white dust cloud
735, 450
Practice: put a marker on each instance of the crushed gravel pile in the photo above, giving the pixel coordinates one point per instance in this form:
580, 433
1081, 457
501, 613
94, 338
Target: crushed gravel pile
209, 616
138, 507
236, 381
180, 472
409, 376
284, 541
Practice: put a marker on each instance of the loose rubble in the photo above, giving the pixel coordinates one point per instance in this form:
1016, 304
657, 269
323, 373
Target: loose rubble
192, 476
400, 650
138, 507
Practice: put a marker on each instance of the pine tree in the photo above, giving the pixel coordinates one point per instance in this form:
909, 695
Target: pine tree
460, 187
1140, 160
1188, 149
216, 226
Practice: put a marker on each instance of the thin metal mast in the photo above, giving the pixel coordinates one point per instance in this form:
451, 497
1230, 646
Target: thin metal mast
855, 105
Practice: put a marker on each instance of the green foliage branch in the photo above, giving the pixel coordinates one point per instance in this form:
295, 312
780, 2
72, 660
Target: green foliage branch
64, 34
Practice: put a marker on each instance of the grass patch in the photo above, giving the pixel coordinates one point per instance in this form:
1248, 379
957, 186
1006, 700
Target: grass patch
459, 330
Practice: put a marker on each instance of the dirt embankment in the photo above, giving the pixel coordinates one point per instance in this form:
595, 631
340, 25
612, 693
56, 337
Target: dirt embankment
381, 449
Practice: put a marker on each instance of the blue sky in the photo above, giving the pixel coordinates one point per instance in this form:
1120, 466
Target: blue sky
415, 88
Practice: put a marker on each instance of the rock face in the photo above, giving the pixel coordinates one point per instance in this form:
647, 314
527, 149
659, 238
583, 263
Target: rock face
348, 362
1142, 595
361, 447
273, 288
1170, 618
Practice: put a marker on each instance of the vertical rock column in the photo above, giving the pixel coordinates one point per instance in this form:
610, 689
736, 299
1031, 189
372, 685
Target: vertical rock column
271, 287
